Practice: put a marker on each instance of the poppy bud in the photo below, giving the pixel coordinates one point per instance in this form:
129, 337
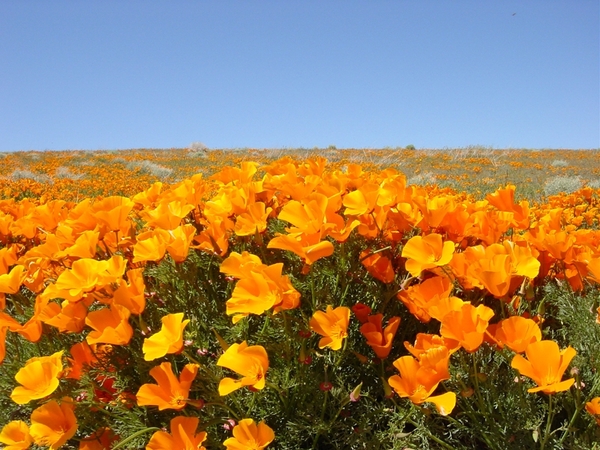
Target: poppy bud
361, 311
387, 388
229, 424
355, 394
224, 345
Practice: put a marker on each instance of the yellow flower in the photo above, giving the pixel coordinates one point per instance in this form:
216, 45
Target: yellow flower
252, 362
53, 424
168, 340
170, 392
332, 325
15, 435
183, 436
39, 378
250, 436
545, 364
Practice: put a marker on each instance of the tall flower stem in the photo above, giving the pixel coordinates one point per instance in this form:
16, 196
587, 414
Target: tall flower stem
548, 423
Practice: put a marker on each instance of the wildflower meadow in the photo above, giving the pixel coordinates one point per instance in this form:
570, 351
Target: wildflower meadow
300, 299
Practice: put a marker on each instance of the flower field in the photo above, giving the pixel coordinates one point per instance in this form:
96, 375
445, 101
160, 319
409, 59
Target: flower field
351, 299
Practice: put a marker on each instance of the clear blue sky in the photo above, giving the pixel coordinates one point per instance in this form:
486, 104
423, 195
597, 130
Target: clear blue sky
299, 73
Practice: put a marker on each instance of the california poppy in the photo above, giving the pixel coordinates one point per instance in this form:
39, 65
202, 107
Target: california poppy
378, 265
362, 312
131, 295
170, 392
260, 288
420, 297
167, 215
379, 339
248, 435
545, 364
183, 436
111, 326
332, 325
517, 333
418, 382
38, 378
424, 342
252, 362
592, 407
53, 424
168, 340
10, 283
426, 252
82, 359
467, 325
253, 221
15, 436
102, 439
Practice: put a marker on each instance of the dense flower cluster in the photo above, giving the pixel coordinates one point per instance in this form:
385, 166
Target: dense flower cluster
454, 262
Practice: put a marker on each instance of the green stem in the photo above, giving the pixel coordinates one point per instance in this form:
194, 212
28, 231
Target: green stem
429, 435
223, 405
133, 436
312, 289
316, 439
548, 423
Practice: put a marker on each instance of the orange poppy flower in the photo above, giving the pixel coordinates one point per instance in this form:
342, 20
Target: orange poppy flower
417, 382
168, 340
67, 317
82, 359
380, 340
170, 392
179, 242
517, 333
248, 435
420, 297
467, 325
252, 362
8, 257
6, 323
84, 276
378, 265
594, 269
332, 325
214, 238
362, 312
260, 287
10, 283
85, 246
53, 424
113, 214
424, 342
252, 295
102, 439
151, 245
38, 378
111, 326
426, 252
183, 436
253, 221
592, 407
545, 364
131, 295
310, 248
167, 215
15, 436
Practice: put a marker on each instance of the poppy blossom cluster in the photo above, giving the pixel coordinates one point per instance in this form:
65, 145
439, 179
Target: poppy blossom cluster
449, 260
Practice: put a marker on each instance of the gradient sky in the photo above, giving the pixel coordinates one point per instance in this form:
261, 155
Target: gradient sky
299, 73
